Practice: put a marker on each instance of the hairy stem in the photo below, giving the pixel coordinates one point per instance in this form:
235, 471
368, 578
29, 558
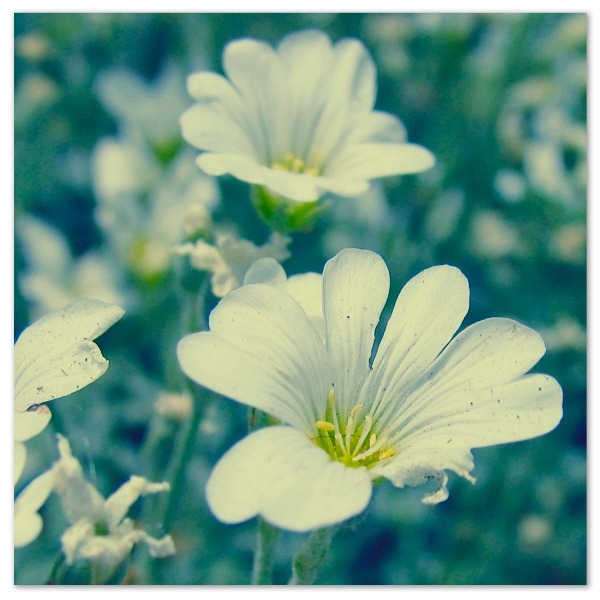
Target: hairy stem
310, 558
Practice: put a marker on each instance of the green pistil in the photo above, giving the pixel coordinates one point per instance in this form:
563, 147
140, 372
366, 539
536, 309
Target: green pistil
101, 528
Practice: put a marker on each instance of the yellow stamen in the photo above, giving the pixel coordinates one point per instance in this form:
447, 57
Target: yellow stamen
356, 408
372, 440
387, 454
297, 165
325, 426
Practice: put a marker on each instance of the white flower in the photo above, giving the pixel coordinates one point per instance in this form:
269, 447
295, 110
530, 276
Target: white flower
417, 410
99, 531
144, 210
54, 357
230, 258
54, 278
152, 109
297, 119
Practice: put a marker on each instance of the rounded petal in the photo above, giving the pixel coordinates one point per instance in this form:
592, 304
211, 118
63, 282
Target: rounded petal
307, 290
280, 474
267, 271
243, 168
355, 288
487, 354
293, 186
373, 160
262, 351
377, 126
27, 523
210, 127
27, 527
427, 313
54, 356
29, 423
511, 412
20, 457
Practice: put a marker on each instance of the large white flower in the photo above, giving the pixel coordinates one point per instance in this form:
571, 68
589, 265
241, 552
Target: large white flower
297, 119
417, 410
54, 357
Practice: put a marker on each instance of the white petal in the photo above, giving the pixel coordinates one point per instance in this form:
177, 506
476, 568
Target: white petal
262, 351
54, 357
28, 523
293, 186
307, 290
207, 86
377, 126
117, 504
257, 73
355, 288
29, 423
307, 58
346, 186
20, 457
372, 160
279, 473
80, 499
428, 311
349, 91
210, 127
267, 271
59, 374
441, 439
487, 354
241, 167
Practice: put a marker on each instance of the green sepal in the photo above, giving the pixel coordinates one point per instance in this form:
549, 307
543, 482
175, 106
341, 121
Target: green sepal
286, 216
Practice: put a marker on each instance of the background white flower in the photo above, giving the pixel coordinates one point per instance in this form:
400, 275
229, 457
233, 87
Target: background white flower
230, 258
54, 357
54, 278
99, 530
417, 410
297, 119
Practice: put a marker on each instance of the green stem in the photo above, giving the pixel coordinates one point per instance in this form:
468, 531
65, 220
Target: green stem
264, 558
182, 452
310, 558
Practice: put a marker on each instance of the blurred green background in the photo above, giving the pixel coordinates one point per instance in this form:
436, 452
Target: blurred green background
500, 99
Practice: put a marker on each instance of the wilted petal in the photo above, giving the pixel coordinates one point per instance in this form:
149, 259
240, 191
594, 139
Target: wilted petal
54, 356
279, 473
117, 504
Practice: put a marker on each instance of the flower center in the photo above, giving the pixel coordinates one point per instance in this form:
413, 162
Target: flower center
294, 164
353, 442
